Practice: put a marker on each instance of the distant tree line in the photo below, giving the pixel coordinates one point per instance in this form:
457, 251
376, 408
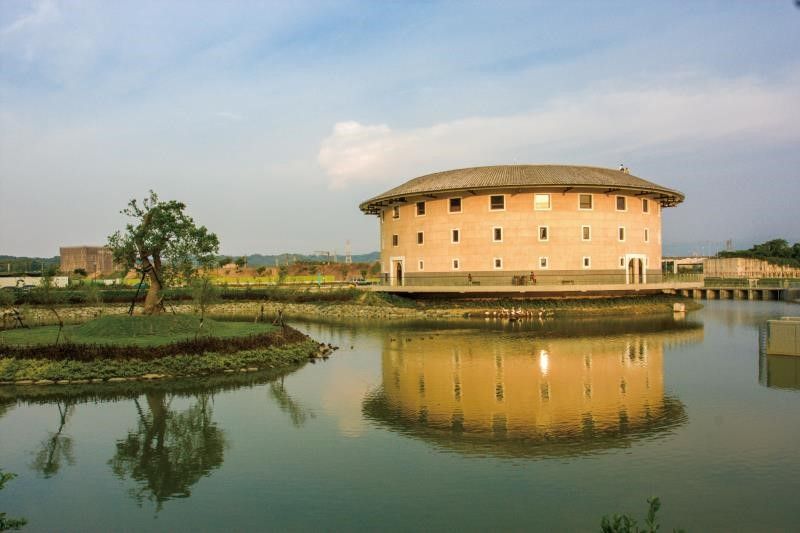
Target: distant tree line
775, 251
20, 265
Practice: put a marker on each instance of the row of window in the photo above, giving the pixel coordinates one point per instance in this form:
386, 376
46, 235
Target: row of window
542, 231
541, 202
544, 263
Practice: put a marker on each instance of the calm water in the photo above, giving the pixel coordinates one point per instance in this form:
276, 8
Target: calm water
457, 425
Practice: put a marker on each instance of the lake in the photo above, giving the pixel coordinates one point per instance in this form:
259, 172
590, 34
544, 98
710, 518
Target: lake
466, 424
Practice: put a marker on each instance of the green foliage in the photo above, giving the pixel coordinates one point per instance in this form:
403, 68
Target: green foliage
164, 242
240, 261
8, 524
204, 293
142, 331
224, 260
6, 298
375, 269
47, 293
92, 295
775, 251
285, 352
626, 524
283, 271
260, 270
19, 265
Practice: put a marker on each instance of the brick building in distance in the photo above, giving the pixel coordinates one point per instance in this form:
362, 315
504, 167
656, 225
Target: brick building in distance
92, 259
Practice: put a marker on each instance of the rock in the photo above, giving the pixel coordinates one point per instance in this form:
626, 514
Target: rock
80, 381
117, 380
24, 382
63, 382
229, 371
96, 380
252, 369
152, 376
44, 382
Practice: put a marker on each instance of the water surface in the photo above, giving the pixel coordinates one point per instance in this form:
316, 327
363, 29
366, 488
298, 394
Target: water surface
466, 424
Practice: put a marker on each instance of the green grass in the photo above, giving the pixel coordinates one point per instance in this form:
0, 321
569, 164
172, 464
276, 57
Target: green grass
274, 357
136, 330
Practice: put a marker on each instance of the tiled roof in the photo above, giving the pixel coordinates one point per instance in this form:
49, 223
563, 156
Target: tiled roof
521, 177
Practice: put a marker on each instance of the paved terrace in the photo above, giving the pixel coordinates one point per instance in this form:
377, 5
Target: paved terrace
673, 287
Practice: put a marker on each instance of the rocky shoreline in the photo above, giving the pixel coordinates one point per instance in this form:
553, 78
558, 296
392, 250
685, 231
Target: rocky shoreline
422, 311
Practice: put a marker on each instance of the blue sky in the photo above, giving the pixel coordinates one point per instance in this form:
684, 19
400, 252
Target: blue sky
272, 121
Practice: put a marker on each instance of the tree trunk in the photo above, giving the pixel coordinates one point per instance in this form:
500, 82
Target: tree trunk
152, 302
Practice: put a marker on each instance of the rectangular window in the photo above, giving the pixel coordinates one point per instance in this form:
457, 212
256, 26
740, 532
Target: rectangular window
420, 208
420, 238
421, 265
455, 205
586, 233
585, 202
587, 262
456, 266
544, 233
646, 235
455, 236
543, 262
497, 202
621, 205
541, 202
396, 211
622, 262
645, 205
395, 240
497, 234
621, 233
498, 263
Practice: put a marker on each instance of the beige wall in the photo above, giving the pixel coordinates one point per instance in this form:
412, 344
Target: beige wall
521, 249
93, 259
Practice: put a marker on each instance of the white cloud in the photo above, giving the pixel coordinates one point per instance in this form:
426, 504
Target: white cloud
577, 128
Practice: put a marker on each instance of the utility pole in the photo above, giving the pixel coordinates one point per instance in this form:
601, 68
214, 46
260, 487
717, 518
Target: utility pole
348, 253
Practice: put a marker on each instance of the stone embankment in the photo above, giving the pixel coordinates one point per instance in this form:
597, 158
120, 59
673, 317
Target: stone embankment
340, 310
74, 314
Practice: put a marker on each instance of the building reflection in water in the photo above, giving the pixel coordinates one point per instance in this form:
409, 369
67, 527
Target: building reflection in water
777, 371
523, 395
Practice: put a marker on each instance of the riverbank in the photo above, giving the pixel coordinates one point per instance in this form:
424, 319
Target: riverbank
369, 305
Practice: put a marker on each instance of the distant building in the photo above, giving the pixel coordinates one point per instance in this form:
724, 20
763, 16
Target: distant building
746, 267
92, 259
521, 224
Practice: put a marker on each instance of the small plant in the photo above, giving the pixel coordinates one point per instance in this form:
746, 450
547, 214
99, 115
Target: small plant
9, 524
204, 293
626, 524
93, 297
49, 296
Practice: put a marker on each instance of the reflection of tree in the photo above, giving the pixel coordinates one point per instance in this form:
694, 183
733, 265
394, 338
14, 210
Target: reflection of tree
169, 451
56, 448
287, 404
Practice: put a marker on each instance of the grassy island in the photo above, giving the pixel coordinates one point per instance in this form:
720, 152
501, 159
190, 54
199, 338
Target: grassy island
119, 348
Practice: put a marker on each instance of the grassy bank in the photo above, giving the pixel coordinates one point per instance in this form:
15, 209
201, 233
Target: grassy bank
150, 347
30, 371
133, 331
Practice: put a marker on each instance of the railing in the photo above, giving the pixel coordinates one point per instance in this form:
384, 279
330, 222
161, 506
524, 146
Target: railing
753, 283
537, 279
